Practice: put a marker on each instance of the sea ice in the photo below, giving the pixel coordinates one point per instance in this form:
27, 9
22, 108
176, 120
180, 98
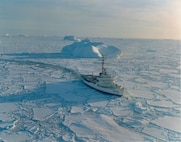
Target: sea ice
174, 95
168, 122
141, 93
161, 103
41, 113
43, 99
93, 127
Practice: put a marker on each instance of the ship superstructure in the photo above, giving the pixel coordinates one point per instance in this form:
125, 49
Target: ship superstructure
103, 82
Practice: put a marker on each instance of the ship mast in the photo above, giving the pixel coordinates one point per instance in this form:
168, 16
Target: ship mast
103, 63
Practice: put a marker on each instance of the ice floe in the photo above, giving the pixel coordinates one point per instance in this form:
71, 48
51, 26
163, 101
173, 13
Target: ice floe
168, 122
94, 127
173, 95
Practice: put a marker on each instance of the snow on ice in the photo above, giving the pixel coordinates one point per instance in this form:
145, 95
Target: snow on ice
169, 123
43, 99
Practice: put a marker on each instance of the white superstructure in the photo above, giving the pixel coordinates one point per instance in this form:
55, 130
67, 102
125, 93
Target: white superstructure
103, 82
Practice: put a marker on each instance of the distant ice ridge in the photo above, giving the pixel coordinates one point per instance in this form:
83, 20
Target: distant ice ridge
87, 49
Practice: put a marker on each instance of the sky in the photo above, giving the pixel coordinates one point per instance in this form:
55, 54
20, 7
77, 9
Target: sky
155, 19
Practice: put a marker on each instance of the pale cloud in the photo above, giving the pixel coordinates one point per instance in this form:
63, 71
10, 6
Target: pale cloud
117, 18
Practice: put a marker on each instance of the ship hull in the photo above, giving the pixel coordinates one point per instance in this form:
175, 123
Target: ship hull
118, 92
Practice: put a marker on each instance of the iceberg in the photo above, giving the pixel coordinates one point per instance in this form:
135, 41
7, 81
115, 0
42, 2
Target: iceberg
87, 49
71, 38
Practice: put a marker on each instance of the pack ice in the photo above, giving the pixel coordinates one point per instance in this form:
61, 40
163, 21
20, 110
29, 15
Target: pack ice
43, 99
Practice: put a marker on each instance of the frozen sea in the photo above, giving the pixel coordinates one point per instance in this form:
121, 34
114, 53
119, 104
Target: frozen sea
43, 99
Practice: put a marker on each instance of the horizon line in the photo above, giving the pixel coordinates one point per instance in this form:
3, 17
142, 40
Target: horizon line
48, 35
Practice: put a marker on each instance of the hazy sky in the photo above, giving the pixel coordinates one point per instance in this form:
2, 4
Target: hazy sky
92, 18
